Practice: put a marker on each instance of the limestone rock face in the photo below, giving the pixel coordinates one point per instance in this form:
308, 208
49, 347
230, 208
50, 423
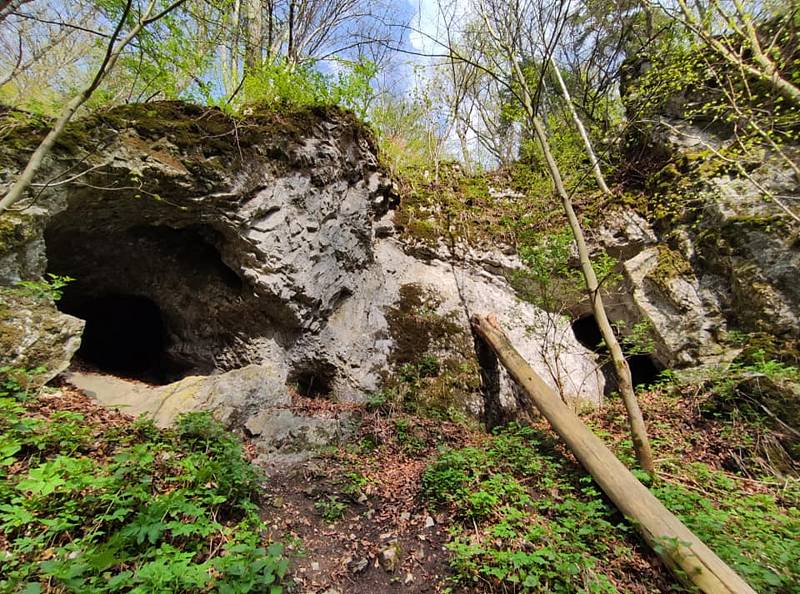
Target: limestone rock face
34, 334
361, 332
728, 259
686, 324
264, 242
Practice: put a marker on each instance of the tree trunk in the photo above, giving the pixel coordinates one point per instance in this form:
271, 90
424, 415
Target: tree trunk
270, 30
235, 53
290, 45
8, 7
252, 52
461, 132
690, 559
598, 174
641, 443
638, 429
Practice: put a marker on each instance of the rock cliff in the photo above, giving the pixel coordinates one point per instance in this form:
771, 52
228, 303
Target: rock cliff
201, 244
711, 257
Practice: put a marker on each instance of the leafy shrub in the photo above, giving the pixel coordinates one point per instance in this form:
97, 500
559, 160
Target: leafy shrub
50, 287
306, 85
549, 274
155, 511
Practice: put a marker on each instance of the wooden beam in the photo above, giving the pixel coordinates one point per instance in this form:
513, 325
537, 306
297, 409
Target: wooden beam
684, 553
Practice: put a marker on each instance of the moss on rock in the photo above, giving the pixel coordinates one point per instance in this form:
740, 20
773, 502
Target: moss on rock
35, 335
435, 370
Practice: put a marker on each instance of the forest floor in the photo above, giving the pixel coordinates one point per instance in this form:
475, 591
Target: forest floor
415, 504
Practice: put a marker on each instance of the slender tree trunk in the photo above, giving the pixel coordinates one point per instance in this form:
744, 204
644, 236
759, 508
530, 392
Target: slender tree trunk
253, 53
637, 425
270, 29
232, 65
113, 53
598, 174
638, 429
649, 18
290, 47
465, 153
641, 443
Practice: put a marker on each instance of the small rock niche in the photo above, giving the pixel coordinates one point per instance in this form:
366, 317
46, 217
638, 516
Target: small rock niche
644, 367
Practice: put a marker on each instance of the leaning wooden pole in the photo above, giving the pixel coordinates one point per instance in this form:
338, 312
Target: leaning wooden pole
680, 549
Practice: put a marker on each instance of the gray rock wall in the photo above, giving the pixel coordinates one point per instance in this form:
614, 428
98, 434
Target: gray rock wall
721, 257
258, 241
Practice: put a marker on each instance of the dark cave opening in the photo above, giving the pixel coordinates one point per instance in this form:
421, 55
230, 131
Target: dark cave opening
588, 333
313, 379
124, 335
644, 367
159, 302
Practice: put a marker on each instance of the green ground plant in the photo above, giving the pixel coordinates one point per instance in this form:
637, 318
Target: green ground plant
330, 508
127, 509
527, 520
753, 534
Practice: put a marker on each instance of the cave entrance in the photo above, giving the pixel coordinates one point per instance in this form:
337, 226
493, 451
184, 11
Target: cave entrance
125, 335
644, 368
313, 378
588, 333
159, 302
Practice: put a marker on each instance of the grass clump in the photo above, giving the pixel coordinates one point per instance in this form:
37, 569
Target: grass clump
91, 508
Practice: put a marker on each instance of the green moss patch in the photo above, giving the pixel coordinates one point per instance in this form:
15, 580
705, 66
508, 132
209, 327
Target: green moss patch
435, 370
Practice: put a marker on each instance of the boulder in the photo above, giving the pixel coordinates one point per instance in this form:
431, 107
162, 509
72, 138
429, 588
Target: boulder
253, 399
35, 336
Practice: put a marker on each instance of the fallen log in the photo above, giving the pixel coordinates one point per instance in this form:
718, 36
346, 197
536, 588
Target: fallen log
684, 553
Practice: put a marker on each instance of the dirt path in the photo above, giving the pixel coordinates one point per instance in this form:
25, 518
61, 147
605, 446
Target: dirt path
376, 546
355, 518
352, 518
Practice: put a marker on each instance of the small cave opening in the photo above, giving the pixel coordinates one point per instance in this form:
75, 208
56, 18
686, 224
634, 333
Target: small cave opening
644, 367
124, 335
313, 379
588, 333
